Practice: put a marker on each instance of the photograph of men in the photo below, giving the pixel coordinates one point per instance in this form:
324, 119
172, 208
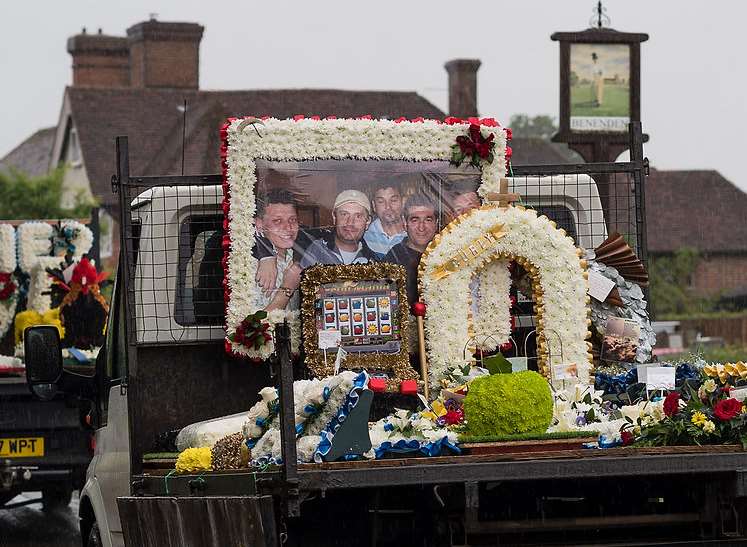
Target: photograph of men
463, 198
388, 228
421, 224
351, 215
277, 222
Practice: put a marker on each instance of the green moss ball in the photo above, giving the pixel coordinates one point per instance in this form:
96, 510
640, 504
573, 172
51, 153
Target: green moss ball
507, 404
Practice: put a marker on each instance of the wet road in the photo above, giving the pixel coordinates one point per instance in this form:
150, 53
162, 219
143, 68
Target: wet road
30, 526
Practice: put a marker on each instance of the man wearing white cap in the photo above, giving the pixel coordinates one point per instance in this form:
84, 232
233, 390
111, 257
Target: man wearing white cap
351, 215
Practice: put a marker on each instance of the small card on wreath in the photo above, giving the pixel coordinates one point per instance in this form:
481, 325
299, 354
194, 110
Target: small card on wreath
565, 371
329, 338
599, 286
660, 378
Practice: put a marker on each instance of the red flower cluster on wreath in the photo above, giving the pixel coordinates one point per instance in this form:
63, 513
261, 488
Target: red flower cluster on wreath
627, 437
726, 409
475, 142
252, 331
86, 275
672, 403
7, 287
454, 417
474, 146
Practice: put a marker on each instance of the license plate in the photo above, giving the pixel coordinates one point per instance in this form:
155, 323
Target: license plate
21, 447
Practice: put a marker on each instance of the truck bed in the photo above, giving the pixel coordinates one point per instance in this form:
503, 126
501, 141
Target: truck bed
561, 464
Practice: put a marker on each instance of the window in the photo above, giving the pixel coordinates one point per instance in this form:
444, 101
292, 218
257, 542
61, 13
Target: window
199, 291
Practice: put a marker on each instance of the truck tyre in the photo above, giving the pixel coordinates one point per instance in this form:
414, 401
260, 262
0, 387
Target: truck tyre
56, 497
94, 537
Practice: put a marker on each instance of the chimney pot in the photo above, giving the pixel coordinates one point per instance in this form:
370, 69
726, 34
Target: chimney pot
165, 54
462, 87
99, 60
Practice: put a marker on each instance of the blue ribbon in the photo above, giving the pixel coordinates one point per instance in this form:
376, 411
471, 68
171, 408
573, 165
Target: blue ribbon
427, 448
326, 435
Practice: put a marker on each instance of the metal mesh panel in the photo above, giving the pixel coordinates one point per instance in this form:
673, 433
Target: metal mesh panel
589, 205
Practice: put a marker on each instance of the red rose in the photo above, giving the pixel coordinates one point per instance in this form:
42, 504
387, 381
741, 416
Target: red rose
453, 417
726, 409
419, 119
489, 122
465, 145
400, 119
451, 120
627, 437
672, 403
298, 117
509, 133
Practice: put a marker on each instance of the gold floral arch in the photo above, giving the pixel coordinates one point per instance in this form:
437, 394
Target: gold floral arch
473, 241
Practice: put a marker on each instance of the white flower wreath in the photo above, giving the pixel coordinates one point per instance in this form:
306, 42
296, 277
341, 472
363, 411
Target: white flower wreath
310, 139
7, 266
492, 322
559, 279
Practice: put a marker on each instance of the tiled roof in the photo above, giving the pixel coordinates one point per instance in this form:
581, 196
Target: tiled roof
152, 119
536, 151
699, 209
33, 155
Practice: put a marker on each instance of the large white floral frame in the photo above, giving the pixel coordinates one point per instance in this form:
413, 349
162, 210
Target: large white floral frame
310, 139
559, 283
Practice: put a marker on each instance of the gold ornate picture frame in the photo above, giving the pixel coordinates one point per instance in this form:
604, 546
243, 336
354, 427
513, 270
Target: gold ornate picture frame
396, 365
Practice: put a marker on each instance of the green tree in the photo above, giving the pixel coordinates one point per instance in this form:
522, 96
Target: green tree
23, 197
524, 126
671, 284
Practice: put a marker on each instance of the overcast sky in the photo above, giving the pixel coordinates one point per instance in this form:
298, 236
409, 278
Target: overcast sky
693, 68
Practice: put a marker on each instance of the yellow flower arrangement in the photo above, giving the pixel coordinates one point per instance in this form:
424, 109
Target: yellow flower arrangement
31, 318
699, 419
727, 372
194, 459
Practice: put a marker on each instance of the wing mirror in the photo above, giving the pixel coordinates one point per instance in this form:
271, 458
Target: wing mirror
43, 358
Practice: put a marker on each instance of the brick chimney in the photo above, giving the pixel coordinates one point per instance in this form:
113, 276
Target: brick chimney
99, 60
462, 87
165, 54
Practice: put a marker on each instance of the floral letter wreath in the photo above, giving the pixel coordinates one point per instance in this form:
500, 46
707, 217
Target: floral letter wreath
249, 139
8, 286
559, 283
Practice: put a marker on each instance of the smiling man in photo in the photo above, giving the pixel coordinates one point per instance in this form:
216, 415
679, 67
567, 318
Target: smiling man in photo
351, 215
421, 223
388, 228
